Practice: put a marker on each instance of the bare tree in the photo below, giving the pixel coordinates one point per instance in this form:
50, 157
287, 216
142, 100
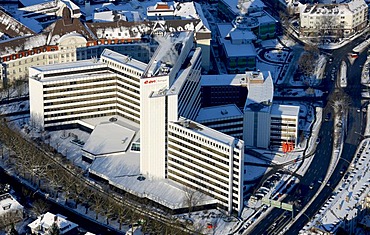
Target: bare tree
98, 204
306, 64
40, 207
192, 198
109, 208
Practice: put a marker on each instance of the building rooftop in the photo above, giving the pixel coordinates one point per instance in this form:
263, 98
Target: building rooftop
246, 5
334, 9
69, 66
167, 54
207, 132
260, 91
8, 203
12, 27
223, 80
123, 59
109, 138
46, 220
218, 112
237, 50
284, 110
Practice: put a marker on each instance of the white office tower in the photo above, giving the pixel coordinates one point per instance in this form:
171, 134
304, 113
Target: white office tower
207, 160
63, 94
161, 98
257, 109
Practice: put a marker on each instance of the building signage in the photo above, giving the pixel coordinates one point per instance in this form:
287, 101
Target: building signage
150, 81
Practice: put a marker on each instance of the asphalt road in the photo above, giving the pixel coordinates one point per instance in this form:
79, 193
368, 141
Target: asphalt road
355, 126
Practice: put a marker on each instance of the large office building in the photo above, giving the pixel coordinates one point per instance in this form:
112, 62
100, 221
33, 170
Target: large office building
161, 97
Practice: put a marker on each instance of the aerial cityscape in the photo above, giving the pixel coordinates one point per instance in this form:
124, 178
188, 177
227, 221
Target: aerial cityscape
184, 117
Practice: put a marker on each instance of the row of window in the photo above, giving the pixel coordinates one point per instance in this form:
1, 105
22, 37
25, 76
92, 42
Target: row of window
202, 187
202, 140
186, 168
74, 119
79, 105
78, 100
76, 95
187, 156
79, 112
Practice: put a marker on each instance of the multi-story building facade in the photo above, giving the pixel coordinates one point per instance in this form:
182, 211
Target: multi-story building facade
74, 91
227, 119
159, 96
201, 157
284, 125
333, 20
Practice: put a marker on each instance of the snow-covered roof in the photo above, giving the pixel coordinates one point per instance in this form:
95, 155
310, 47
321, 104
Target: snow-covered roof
15, 45
8, 204
45, 221
204, 131
228, 33
218, 112
53, 68
32, 2
123, 171
123, 59
281, 110
252, 5
167, 54
260, 91
223, 80
109, 138
237, 34
183, 75
238, 50
105, 16
12, 27
112, 167
331, 9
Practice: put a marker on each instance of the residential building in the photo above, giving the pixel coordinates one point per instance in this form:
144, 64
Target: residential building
41, 15
44, 223
333, 20
10, 210
68, 40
